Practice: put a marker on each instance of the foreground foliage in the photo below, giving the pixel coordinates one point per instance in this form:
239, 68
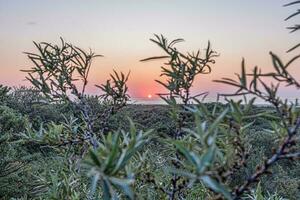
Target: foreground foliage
57, 142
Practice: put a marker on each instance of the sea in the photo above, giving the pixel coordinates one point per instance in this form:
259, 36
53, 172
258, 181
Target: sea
158, 101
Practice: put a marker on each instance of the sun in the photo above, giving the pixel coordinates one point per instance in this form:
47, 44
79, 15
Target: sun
149, 96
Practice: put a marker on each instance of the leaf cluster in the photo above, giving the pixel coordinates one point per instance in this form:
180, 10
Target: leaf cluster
57, 69
181, 69
115, 90
109, 163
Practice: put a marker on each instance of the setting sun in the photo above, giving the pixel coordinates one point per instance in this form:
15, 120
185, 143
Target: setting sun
149, 96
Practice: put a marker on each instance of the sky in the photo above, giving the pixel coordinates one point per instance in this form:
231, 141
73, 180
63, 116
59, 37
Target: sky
120, 30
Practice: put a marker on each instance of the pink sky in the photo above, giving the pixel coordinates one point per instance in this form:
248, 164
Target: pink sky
120, 30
